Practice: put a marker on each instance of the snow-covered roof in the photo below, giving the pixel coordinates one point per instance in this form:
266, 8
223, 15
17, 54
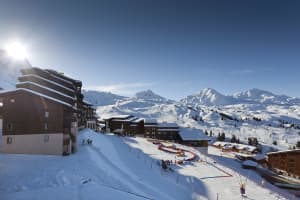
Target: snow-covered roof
286, 151
150, 125
47, 88
138, 120
150, 121
260, 157
41, 95
117, 117
129, 119
245, 147
173, 125
191, 134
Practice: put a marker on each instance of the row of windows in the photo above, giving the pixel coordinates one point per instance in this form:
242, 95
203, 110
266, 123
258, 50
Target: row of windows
46, 138
10, 126
2, 102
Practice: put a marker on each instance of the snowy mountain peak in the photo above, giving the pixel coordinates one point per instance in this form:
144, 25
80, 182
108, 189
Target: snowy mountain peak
208, 96
149, 95
253, 93
262, 96
98, 98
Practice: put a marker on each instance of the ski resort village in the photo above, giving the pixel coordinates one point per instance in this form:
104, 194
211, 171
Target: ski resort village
60, 141
149, 100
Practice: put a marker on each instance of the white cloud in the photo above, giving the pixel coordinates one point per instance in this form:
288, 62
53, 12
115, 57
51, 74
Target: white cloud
122, 88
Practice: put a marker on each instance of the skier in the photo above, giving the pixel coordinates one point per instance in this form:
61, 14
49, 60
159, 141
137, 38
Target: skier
243, 189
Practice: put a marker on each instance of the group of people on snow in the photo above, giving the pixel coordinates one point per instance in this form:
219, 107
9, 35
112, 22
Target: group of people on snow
88, 141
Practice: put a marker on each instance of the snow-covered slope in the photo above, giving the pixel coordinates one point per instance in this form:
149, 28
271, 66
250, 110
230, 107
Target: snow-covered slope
128, 169
10, 70
101, 98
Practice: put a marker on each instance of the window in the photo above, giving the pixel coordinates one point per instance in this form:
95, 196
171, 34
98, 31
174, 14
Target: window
46, 126
46, 138
10, 126
1, 102
12, 100
46, 114
9, 140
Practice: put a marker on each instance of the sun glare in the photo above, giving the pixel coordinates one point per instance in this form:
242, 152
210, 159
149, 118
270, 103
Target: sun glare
16, 50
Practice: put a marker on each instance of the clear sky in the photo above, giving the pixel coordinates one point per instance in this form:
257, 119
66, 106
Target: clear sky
175, 48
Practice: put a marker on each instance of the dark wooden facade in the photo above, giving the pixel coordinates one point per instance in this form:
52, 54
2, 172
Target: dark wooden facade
286, 162
45, 102
125, 125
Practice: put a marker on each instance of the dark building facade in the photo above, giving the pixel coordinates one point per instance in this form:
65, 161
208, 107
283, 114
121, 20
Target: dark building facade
150, 128
286, 162
42, 115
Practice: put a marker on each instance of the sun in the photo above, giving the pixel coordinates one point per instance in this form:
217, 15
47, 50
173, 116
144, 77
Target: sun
16, 50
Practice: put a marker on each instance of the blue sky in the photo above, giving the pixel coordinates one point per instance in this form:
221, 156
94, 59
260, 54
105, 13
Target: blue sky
175, 48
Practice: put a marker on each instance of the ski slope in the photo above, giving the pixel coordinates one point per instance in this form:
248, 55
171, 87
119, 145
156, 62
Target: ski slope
123, 168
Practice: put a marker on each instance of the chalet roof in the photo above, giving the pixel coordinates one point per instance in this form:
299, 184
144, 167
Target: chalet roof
118, 117
150, 121
244, 147
39, 94
193, 134
167, 125
138, 120
129, 119
87, 103
285, 151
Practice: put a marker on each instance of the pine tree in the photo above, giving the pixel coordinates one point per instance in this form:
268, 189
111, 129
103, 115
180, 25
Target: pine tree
233, 139
223, 136
219, 137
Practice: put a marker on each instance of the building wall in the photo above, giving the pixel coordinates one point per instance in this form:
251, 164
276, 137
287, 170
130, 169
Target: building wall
288, 163
25, 113
33, 144
196, 143
31, 86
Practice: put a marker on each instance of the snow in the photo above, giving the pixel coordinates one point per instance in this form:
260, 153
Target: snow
124, 168
243, 108
149, 95
229, 145
250, 163
191, 134
101, 98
